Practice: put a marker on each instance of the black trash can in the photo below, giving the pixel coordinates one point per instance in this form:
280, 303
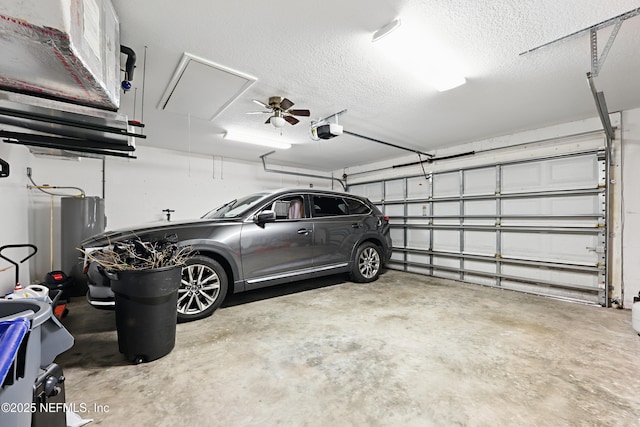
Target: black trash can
146, 316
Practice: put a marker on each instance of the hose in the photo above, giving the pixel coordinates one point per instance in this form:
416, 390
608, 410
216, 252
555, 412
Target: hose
43, 187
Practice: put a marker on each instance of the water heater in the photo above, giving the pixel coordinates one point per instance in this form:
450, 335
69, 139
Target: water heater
81, 217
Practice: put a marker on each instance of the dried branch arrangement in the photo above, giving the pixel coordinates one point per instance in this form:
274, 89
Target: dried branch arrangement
138, 255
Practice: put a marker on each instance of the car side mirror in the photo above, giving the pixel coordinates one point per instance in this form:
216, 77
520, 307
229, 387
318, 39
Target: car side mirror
264, 217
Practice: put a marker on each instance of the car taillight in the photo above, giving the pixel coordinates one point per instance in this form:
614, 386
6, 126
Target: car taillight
383, 220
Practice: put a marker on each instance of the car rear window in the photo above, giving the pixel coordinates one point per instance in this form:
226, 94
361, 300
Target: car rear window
356, 207
329, 206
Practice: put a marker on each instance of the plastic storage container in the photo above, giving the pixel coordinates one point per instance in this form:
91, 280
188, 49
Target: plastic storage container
146, 315
46, 338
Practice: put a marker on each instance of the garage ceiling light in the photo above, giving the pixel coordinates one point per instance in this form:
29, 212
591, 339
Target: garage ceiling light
386, 30
256, 140
419, 53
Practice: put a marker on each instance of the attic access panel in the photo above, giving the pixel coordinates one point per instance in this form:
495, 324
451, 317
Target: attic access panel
202, 88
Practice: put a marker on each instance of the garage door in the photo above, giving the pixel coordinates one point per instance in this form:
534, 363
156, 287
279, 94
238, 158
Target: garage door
536, 225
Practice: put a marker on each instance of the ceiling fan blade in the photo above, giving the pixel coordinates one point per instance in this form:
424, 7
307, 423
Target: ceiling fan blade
258, 112
285, 104
260, 103
292, 120
268, 120
301, 113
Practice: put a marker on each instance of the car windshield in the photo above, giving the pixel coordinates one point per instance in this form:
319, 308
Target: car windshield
235, 208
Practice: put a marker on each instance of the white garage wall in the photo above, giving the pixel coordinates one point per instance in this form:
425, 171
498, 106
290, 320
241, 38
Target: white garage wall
43, 215
14, 208
136, 192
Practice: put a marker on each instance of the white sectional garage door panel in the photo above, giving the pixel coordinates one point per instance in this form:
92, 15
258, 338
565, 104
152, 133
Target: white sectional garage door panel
536, 225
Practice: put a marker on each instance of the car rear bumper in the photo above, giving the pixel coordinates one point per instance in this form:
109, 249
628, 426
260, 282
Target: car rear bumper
99, 293
101, 303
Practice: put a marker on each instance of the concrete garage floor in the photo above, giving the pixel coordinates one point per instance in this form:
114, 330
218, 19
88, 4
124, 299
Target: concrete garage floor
407, 350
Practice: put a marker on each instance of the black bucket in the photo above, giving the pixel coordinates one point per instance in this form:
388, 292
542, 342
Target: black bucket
146, 316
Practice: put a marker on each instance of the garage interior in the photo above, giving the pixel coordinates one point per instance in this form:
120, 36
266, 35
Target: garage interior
499, 138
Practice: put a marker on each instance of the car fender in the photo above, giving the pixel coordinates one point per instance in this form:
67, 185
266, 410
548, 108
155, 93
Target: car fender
370, 236
230, 254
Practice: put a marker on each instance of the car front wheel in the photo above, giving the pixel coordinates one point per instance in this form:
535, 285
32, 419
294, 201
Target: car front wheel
367, 263
202, 289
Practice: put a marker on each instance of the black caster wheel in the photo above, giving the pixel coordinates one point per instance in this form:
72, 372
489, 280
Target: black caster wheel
138, 360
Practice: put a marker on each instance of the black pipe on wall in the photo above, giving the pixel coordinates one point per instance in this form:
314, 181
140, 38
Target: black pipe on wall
131, 62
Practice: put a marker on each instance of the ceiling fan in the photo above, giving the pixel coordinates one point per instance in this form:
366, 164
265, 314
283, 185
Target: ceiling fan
281, 111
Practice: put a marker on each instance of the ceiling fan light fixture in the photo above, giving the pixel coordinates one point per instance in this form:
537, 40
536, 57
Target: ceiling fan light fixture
277, 121
386, 30
256, 140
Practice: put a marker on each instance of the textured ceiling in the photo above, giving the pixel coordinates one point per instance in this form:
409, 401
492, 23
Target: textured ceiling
320, 55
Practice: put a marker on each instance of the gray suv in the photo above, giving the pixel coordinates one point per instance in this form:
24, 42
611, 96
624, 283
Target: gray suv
262, 240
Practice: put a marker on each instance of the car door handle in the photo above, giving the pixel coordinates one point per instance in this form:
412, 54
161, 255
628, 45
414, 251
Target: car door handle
304, 231
356, 225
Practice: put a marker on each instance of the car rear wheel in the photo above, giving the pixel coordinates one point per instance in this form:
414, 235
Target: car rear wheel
367, 263
202, 290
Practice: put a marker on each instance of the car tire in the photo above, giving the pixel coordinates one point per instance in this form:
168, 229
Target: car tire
367, 263
202, 290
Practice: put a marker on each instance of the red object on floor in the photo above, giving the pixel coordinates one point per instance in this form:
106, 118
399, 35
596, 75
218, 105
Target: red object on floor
59, 311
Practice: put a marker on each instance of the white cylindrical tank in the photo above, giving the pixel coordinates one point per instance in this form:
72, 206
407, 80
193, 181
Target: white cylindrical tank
81, 217
635, 316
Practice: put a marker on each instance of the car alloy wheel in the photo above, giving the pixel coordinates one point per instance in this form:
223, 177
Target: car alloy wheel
202, 289
369, 262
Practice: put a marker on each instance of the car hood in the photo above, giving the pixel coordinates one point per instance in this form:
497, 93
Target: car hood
153, 231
